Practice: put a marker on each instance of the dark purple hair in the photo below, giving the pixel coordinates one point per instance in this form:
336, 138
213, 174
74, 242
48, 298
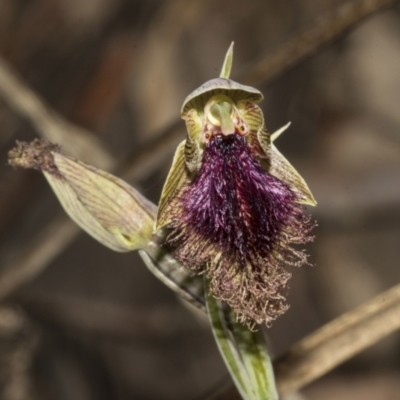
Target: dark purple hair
238, 224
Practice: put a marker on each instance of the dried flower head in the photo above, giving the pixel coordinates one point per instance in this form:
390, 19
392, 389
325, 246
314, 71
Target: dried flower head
233, 206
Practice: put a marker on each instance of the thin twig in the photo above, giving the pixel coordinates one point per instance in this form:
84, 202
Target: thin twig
338, 341
327, 29
36, 257
141, 164
334, 343
19, 341
103, 318
76, 141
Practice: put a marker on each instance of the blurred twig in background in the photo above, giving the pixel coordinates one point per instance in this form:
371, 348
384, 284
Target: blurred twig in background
35, 257
326, 29
19, 340
76, 141
338, 341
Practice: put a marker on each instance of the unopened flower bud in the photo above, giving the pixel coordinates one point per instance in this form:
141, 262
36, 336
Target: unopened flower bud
106, 207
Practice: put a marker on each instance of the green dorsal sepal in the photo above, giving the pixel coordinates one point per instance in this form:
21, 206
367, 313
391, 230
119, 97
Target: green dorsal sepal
227, 66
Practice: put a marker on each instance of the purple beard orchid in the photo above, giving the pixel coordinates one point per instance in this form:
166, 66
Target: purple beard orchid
232, 205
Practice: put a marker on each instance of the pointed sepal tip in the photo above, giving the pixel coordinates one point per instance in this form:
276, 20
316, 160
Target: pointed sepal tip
227, 65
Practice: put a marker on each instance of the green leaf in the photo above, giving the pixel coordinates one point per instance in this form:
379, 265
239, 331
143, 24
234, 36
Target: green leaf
255, 355
244, 352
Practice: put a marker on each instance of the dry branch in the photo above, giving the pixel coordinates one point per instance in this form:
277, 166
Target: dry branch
95, 316
338, 341
327, 29
34, 259
76, 141
19, 339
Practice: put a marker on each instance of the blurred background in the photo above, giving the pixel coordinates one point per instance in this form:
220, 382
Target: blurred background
79, 322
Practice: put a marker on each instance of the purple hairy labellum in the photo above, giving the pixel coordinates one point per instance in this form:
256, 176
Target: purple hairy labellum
232, 205
239, 223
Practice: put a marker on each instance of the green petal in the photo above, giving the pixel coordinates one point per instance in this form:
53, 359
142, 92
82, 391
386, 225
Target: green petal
177, 177
192, 146
259, 138
264, 138
252, 114
282, 169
